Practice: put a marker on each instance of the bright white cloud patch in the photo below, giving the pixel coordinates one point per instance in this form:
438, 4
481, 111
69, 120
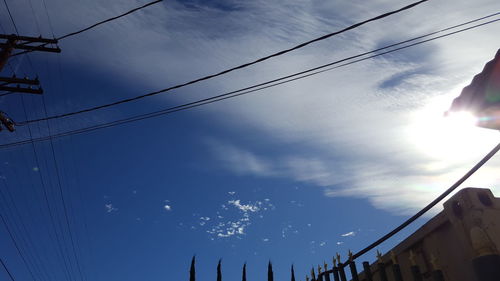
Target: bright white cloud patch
245, 207
234, 218
167, 208
348, 234
110, 208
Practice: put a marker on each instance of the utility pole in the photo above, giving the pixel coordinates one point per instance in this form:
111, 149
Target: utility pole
12, 85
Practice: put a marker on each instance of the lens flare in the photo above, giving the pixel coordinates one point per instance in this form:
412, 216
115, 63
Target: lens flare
447, 137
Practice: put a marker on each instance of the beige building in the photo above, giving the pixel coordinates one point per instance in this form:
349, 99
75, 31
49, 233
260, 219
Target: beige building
462, 242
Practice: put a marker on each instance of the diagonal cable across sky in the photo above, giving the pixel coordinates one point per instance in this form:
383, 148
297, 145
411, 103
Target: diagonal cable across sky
274, 82
299, 46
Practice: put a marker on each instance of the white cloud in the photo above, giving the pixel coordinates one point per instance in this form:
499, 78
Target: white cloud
348, 234
245, 207
167, 208
349, 131
110, 208
235, 220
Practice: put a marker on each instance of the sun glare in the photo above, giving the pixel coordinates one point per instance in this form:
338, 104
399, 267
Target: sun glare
449, 137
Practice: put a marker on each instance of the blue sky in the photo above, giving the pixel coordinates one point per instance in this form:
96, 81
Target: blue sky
293, 174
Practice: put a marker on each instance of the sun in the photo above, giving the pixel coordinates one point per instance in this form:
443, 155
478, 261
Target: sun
451, 137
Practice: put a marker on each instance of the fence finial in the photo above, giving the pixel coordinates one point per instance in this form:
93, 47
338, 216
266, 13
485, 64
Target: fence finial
394, 258
338, 258
219, 271
307, 278
412, 258
319, 269
192, 270
434, 262
325, 265
270, 274
350, 255
244, 273
379, 256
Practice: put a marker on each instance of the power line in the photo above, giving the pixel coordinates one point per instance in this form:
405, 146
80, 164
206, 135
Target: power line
92, 26
35, 193
227, 70
17, 31
60, 239
19, 224
7, 270
65, 208
11, 235
108, 20
265, 85
35, 17
11, 18
48, 18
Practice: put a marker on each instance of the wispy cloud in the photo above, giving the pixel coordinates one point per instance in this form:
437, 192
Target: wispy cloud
245, 207
234, 223
351, 131
110, 208
351, 233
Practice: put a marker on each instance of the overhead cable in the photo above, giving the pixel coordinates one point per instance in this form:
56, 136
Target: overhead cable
53, 218
108, 20
261, 86
93, 25
230, 69
7, 270
23, 258
10, 16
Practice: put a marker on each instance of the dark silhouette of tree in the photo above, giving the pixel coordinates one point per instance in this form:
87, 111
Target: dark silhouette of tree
293, 274
192, 272
244, 274
219, 271
270, 274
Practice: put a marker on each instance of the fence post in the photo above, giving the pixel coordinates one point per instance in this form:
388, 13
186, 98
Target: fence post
415, 270
352, 267
381, 267
335, 271
341, 269
320, 276
368, 271
437, 274
396, 270
327, 274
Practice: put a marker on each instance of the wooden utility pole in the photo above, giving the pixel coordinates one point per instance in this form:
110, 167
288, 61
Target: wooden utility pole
13, 84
